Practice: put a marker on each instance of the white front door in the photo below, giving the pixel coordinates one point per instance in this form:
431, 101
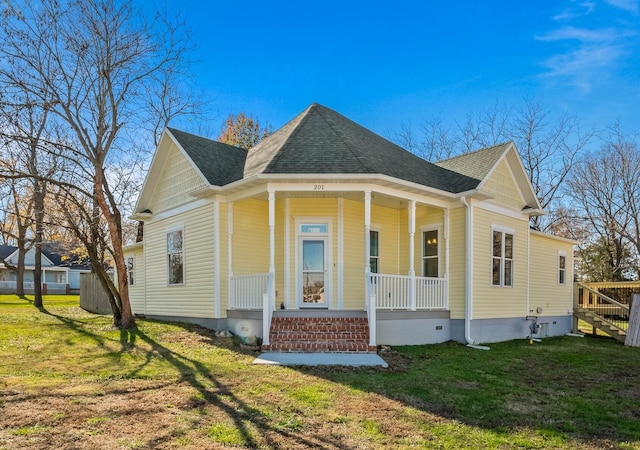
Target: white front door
314, 273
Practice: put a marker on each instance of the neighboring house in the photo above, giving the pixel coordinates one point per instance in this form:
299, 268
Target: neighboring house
56, 278
326, 219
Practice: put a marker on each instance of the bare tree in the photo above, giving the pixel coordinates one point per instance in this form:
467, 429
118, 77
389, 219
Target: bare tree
548, 145
101, 70
606, 184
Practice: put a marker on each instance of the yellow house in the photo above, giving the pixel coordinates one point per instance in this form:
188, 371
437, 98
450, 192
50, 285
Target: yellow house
327, 237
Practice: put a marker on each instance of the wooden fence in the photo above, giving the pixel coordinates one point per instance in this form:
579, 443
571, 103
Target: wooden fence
92, 295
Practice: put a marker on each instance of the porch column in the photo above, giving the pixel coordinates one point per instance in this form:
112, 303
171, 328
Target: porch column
217, 292
412, 270
446, 245
232, 294
367, 232
272, 244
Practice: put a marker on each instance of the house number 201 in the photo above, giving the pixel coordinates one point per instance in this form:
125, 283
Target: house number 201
318, 187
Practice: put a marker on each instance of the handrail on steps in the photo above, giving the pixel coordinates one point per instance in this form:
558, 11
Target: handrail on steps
268, 306
603, 297
372, 305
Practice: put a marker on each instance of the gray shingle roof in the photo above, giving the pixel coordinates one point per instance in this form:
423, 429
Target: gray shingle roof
319, 141
475, 164
220, 163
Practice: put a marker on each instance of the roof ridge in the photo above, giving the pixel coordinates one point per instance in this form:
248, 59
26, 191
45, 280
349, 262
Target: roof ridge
474, 152
172, 130
305, 116
345, 141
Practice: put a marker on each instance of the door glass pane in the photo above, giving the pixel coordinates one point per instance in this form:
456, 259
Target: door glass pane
313, 271
313, 287
313, 255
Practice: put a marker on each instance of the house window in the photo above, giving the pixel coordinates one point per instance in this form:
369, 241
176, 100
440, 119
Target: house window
430, 253
502, 259
175, 255
374, 252
562, 268
130, 271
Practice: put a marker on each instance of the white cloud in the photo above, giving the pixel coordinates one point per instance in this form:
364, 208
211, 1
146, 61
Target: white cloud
632, 6
573, 12
581, 34
586, 52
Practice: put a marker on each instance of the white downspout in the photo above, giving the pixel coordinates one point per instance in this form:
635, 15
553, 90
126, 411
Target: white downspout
468, 294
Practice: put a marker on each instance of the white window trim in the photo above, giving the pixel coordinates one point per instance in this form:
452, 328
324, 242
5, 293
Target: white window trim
423, 229
561, 254
503, 230
168, 272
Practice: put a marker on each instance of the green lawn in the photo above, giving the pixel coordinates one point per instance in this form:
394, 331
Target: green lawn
68, 379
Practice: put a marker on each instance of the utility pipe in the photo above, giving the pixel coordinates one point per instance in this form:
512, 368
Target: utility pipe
468, 294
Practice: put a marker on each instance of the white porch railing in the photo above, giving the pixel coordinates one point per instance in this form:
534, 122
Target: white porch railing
394, 292
247, 291
27, 285
432, 293
56, 286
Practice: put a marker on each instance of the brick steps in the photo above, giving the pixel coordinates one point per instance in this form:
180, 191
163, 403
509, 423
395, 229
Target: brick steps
319, 335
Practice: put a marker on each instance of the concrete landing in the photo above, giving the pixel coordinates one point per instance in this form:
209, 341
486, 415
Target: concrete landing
320, 359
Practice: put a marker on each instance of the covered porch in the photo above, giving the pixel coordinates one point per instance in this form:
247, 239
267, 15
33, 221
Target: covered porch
338, 248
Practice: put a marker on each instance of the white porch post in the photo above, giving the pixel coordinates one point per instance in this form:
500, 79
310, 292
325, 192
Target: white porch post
216, 252
367, 232
272, 244
232, 294
412, 270
446, 244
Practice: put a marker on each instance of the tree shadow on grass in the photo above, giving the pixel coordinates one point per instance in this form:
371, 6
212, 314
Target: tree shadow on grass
548, 394
77, 326
215, 393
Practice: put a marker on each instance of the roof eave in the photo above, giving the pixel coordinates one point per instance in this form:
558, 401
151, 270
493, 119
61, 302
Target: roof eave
476, 194
211, 190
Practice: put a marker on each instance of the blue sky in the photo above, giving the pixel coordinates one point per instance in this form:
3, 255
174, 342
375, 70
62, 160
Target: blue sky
386, 63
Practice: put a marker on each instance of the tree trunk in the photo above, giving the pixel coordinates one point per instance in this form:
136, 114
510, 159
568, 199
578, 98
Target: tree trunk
22, 251
112, 216
39, 216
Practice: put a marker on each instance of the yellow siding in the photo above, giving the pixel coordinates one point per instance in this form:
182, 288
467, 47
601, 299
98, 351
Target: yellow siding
457, 256
353, 255
177, 180
502, 185
545, 292
491, 301
136, 290
250, 237
403, 241
195, 298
